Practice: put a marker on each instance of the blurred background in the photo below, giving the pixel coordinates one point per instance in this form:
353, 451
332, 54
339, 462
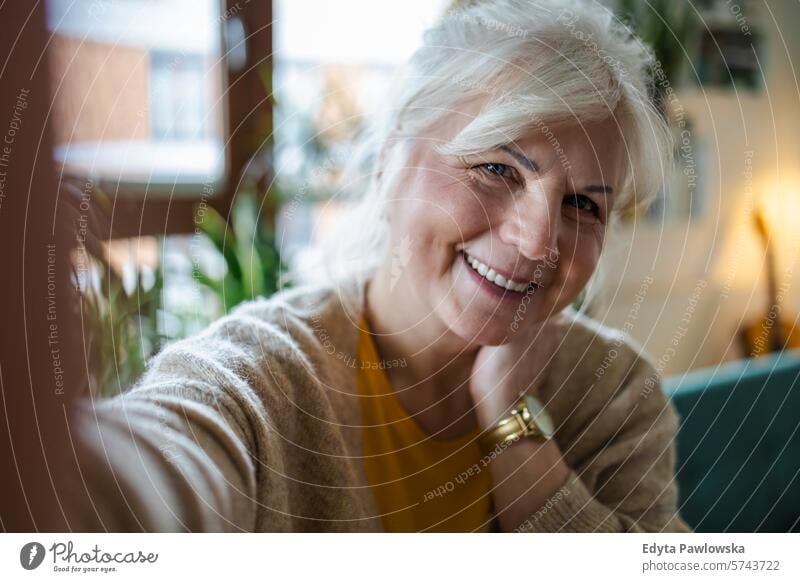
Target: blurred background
141, 104
199, 143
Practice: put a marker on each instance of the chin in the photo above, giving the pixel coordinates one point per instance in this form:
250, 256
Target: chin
478, 334
477, 325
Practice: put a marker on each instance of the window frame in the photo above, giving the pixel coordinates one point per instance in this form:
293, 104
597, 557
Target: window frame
247, 110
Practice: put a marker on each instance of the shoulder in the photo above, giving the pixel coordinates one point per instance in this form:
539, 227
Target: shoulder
314, 319
283, 335
602, 370
599, 353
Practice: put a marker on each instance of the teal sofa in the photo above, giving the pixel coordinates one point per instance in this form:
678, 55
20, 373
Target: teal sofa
738, 466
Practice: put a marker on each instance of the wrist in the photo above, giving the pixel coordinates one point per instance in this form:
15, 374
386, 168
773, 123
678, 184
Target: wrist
492, 407
527, 420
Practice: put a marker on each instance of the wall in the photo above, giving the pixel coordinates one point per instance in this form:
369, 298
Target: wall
101, 91
683, 290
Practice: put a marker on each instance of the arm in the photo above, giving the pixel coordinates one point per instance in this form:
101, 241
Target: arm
159, 463
185, 449
632, 469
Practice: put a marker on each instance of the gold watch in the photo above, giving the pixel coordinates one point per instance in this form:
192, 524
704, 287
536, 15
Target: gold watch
528, 419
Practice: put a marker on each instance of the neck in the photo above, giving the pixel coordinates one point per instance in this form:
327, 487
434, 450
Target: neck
434, 385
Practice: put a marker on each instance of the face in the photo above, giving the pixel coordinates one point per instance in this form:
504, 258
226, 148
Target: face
499, 241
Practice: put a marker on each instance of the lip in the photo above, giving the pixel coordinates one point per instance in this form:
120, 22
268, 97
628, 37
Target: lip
490, 287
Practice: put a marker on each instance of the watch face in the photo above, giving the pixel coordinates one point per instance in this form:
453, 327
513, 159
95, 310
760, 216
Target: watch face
540, 415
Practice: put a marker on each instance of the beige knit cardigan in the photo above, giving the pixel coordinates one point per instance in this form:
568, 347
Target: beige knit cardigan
253, 425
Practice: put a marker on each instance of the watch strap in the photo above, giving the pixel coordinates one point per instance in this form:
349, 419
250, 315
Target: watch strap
508, 430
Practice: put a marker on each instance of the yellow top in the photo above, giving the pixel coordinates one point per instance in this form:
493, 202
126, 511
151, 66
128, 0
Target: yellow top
419, 483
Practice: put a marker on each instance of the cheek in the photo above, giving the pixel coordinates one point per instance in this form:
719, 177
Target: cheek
580, 255
453, 196
431, 214
443, 211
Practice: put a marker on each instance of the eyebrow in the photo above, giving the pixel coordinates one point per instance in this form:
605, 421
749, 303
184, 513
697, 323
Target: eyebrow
521, 158
534, 167
599, 188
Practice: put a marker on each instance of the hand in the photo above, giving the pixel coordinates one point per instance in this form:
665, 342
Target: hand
500, 374
531, 470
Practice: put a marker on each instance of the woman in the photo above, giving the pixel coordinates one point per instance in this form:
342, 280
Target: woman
441, 381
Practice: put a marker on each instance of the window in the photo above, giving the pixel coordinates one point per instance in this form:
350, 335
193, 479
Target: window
333, 64
137, 96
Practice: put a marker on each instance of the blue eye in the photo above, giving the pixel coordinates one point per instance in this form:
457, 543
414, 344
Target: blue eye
501, 170
583, 203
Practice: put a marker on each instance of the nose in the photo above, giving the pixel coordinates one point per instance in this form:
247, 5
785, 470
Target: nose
531, 223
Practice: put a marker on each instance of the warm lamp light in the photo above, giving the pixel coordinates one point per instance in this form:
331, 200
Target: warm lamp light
761, 254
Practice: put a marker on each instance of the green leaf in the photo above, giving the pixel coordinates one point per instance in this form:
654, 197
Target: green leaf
245, 223
216, 228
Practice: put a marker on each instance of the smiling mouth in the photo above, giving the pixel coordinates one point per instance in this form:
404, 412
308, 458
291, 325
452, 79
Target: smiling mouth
496, 278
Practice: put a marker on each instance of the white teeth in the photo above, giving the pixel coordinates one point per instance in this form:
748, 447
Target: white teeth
491, 275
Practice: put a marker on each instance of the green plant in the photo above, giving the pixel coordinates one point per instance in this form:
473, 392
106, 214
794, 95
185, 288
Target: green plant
670, 28
120, 327
253, 265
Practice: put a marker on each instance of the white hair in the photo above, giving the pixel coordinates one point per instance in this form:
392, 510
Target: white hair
541, 63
